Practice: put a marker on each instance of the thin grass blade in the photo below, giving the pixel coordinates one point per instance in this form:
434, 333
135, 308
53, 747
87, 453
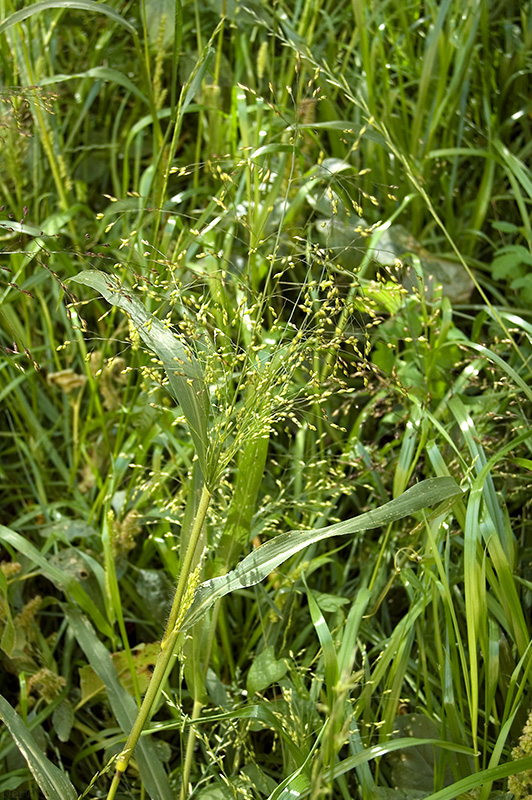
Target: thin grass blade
99, 73
67, 582
327, 645
480, 779
379, 750
298, 782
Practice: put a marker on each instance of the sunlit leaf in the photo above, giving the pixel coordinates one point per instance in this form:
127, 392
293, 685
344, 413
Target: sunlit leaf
269, 556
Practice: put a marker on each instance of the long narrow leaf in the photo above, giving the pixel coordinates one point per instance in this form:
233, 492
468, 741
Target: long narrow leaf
392, 745
124, 708
298, 782
496, 359
269, 556
98, 73
184, 373
83, 5
480, 779
53, 783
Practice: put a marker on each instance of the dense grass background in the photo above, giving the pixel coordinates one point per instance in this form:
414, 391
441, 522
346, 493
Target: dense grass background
285, 187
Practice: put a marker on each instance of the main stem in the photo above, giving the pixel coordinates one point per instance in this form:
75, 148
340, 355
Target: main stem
168, 645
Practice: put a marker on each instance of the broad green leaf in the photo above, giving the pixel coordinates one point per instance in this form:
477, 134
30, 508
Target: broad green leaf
53, 783
182, 368
123, 705
269, 556
82, 5
265, 670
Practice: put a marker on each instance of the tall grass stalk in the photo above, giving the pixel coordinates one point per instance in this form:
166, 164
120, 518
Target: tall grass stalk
182, 599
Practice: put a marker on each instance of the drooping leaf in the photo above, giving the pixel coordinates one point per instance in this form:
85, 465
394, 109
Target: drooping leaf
182, 368
83, 5
269, 556
393, 745
99, 73
53, 783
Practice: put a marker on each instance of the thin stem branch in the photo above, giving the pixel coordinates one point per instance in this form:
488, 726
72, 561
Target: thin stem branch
189, 752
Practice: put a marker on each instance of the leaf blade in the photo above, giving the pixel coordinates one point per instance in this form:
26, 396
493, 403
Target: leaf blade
270, 555
182, 368
67, 582
123, 705
83, 5
54, 784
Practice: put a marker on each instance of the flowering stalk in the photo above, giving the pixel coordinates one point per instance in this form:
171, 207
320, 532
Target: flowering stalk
168, 644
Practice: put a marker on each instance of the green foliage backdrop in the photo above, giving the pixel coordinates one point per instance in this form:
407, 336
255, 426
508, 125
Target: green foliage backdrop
265, 383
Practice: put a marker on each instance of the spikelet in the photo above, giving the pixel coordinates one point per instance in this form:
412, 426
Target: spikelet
521, 784
262, 56
10, 568
25, 619
124, 533
46, 684
193, 582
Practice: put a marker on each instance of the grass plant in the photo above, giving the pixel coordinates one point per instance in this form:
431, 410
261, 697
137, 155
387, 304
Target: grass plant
265, 485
